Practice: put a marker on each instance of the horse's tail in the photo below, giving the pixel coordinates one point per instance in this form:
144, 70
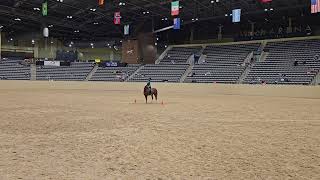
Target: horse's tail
155, 93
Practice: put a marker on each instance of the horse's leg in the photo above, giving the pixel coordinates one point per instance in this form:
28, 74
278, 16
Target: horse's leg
146, 98
152, 96
156, 95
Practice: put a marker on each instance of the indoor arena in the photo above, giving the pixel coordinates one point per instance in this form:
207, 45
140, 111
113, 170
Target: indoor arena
159, 89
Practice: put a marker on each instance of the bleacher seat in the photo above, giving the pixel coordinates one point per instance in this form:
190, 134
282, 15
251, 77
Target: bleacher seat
223, 63
77, 71
11, 69
114, 73
179, 55
279, 68
160, 73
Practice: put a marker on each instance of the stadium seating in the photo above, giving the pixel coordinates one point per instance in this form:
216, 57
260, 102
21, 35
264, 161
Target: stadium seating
114, 73
223, 64
286, 62
179, 55
160, 73
12, 69
78, 71
279, 66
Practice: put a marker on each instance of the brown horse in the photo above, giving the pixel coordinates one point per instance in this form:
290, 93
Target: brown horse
147, 93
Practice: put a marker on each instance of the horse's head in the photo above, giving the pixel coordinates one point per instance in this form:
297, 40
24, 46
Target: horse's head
146, 88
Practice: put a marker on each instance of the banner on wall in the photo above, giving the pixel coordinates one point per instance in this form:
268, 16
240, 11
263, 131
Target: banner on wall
126, 29
175, 8
315, 6
266, 1
101, 2
176, 23
117, 18
51, 63
236, 14
45, 8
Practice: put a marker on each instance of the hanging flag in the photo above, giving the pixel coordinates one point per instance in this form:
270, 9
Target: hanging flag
175, 8
117, 18
176, 23
126, 29
236, 14
45, 8
101, 2
315, 6
265, 1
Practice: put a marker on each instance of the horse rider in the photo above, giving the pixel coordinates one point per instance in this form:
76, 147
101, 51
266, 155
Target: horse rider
149, 85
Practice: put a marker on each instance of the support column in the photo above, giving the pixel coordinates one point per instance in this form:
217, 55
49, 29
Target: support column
252, 28
36, 49
0, 44
220, 32
111, 55
289, 29
191, 34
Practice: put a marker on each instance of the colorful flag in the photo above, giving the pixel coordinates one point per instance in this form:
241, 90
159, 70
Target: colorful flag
101, 2
126, 29
266, 1
45, 8
315, 6
117, 18
175, 8
236, 14
176, 23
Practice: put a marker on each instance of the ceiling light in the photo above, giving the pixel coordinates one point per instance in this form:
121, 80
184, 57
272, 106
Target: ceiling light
95, 23
60, 1
11, 39
93, 9
265, 9
211, 2
51, 42
50, 26
1, 26
36, 9
91, 44
17, 19
226, 15
148, 12
271, 9
76, 31
197, 19
69, 17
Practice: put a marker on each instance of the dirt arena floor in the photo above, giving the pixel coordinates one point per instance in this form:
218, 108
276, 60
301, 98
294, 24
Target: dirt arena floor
93, 131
